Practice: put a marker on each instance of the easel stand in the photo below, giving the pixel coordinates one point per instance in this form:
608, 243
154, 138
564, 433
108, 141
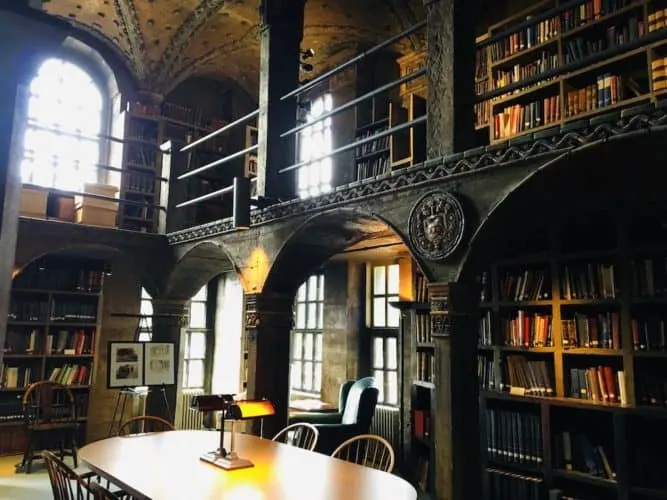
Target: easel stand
128, 393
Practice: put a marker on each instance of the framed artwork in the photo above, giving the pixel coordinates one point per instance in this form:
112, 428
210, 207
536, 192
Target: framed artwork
125, 364
159, 364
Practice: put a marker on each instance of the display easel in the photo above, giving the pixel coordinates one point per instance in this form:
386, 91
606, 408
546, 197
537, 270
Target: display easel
128, 393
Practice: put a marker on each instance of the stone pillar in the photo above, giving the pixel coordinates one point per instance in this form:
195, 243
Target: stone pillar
22, 39
456, 432
168, 320
451, 79
280, 45
269, 320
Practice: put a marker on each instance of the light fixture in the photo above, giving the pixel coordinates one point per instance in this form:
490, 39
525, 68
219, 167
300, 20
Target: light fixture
107, 269
306, 67
307, 54
231, 410
241, 203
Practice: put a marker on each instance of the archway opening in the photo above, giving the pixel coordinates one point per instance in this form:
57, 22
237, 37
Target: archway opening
571, 269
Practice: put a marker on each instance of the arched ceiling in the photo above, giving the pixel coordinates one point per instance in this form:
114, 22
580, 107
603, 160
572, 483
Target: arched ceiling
163, 42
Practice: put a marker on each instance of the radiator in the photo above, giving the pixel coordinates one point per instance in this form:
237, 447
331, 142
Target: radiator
186, 418
386, 424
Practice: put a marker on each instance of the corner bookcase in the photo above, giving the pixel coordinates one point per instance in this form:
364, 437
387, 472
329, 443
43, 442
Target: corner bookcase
571, 362
51, 333
561, 61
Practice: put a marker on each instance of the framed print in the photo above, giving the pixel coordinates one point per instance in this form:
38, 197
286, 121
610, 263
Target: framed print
159, 368
125, 364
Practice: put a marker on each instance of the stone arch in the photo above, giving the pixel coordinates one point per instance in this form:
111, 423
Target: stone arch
626, 171
319, 238
196, 267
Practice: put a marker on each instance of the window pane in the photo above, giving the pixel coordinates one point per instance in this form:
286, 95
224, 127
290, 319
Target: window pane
378, 352
144, 337
392, 388
312, 315
301, 316
312, 288
317, 382
308, 347
197, 345
195, 374
320, 287
320, 316
391, 350
318, 347
379, 280
201, 294
308, 376
392, 279
301, 294
379, 377
296, 375
379, 312
393, 314
297, 346
198, 315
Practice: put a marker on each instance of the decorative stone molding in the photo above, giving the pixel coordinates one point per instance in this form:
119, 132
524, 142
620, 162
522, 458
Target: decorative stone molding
569, 137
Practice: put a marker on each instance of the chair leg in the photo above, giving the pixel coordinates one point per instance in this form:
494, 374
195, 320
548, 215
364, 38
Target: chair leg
29, 451
75, 451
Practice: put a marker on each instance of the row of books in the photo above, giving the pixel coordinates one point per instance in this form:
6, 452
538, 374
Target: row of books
648, 333
505, 485
421, 288
21, 342
601, 330
11, 409
521, 71
378, 145
530, 284
649, 276
485, 334
607, 91
513, 437
421, 423
522, 117
55, 310
55, 278
71, 374
524, 377
601, 384
651, 390
140, 183
65, 342
423, 329
576, 452
657, 18
527, 330
481, 63
482, 112
13, 377
372, 167
588, 281
580, 48
489, 379
425, 366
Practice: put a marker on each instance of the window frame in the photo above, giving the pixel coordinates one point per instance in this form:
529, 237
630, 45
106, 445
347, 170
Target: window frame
384, 331
323, 126
317, 331
207, 330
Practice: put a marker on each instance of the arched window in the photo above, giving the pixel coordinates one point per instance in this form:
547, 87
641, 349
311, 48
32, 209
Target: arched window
315, 142
63, 102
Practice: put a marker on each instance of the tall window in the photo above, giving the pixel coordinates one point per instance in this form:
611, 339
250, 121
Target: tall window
63, 99
384, 322
307, 336
195, 338
145, 333
315, 142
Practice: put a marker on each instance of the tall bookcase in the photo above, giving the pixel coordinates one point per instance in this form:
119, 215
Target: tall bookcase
52, 326
571, 362
561, 61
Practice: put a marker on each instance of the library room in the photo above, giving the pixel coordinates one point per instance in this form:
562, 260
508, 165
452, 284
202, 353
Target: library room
333, 250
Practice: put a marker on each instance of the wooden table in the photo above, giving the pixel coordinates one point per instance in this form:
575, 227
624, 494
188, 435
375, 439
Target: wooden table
312, 405
166, 466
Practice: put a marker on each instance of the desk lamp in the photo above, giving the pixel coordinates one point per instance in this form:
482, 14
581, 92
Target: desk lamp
233, 411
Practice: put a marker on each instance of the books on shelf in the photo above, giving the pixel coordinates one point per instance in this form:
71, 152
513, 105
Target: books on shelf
526, 377
527, 330
513, 437
601, 330
574, 451
601, 384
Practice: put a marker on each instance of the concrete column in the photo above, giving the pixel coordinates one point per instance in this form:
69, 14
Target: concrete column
22, 39
269, 319
280, 44
456, 435
168, 319
451, 89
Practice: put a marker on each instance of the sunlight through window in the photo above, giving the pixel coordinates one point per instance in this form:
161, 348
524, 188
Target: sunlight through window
315, 142
63, 101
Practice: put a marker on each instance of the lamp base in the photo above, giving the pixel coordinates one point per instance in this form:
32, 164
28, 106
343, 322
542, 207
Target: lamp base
230, 462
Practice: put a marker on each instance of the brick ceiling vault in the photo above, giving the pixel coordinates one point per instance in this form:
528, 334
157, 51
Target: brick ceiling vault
164, 42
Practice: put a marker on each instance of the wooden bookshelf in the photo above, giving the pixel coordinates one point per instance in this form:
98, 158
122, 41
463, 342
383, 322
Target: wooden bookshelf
372, 158
51, 333
571, 348
407, 147
562, 61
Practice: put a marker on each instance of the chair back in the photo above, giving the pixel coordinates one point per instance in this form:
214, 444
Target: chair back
368, 450
301, 435
48, 402
65, 483
144, 424
342, 394
101, 493
361, 401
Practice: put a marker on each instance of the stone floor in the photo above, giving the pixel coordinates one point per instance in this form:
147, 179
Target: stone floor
33, 486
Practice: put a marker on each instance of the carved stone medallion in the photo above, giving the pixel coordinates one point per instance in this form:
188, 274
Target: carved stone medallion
436, 225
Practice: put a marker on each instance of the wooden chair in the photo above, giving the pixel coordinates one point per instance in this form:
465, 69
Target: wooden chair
65, 483
100, 493
301, 435
49, 413
146, 423
368, 450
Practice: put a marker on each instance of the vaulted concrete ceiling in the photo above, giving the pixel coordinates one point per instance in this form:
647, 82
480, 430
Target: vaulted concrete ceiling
163, 42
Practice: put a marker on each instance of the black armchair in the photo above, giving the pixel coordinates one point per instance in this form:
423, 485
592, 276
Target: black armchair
356, 405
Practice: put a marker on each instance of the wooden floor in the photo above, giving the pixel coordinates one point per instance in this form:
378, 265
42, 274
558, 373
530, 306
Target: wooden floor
33, 486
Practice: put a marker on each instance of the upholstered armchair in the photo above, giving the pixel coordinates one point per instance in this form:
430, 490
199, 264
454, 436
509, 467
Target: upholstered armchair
357, 401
